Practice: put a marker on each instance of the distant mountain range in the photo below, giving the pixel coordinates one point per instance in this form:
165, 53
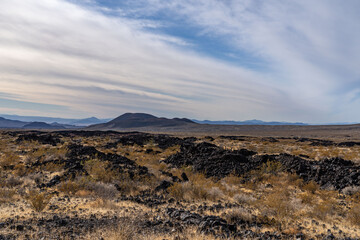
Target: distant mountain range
8, 123
248, 122
43, 125
51, 120
143, 121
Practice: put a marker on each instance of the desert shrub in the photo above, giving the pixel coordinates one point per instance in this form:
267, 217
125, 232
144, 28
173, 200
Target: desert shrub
9, 158
53, 167
271, 167
13, 182
68, 187
126, 185
296, 204
232, 179
215, 193
178, 190
311, 187
6, 195
324, 209
354, 215
98, 170
188, 191
103, 190
239, 215
20, 170
37, 154
103, 203
125, 230
38, 200
307, 198
295, 179
277, 204
243, 198
83, 193
197, 192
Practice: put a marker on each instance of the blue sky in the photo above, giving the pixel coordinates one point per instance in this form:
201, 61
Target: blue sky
207, 59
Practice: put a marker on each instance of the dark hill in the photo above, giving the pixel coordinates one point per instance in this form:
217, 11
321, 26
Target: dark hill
42, 125
88, 121
7, 123
142, 120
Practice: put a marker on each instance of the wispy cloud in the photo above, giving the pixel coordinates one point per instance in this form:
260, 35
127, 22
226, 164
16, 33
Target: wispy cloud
310, 46
94, 63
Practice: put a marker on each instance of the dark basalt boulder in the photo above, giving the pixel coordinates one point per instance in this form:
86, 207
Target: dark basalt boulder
163, 186
39, 137
210, 159
214, 161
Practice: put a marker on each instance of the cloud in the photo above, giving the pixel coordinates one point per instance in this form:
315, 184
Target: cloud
311, 47
93, 63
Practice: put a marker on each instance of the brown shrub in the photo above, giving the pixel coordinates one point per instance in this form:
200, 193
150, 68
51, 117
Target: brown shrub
307, 198
277, 204
6, 195
103, 203
98, 170
68, 187
9, 158
38, 200
13, 181
243, 198
324, 209
271, 167
20, 170
53, 167
189, 191
239, 215
103, 190
311, 187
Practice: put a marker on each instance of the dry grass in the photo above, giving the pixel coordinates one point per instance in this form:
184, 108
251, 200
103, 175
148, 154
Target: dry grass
128, 230
197, 188
311, 187
239, 215
98, 170
103, 203
354, 215
38, 200
9, 158
6, 195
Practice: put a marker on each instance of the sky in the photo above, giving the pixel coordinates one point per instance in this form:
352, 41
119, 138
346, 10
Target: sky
273, 60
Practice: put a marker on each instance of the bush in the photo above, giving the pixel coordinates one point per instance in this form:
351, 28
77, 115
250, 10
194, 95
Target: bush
98, 170
38, 200
244, 198
271, 167
20, 170
311, 187
13, 182
126, 230
6, 195
188, 191
103, 190
324, 209
239, 215
68, 187
9, 158
278, 204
